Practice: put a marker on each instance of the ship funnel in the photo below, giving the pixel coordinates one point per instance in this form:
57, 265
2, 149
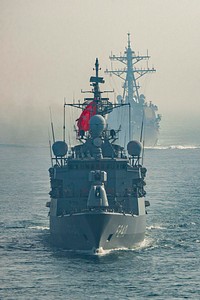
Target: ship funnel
97, 125
134, 148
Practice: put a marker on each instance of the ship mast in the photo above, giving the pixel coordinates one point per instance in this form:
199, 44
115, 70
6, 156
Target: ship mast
95, 83
130, 74
103, 105
100, 105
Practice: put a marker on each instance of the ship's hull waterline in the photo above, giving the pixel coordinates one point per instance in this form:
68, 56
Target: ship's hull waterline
92, 231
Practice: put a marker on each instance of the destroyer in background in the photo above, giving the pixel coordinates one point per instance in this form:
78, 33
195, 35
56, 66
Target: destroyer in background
142, 112
97, 187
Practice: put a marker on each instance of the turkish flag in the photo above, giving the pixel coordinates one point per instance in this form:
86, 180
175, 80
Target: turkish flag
87, 113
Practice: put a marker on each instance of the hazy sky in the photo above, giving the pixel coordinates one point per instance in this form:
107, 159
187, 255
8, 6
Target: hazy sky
48, 49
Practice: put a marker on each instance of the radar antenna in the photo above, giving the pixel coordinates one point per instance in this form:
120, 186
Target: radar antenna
130, 74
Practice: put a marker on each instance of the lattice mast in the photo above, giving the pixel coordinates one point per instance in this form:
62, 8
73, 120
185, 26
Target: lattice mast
130, 74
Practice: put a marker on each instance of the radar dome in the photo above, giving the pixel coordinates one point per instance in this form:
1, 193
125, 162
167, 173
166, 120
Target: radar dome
59, 148
97, 125
134, 148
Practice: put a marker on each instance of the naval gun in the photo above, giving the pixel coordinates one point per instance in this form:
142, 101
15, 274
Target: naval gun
97, 197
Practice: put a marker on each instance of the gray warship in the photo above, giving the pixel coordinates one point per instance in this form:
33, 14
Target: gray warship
142, 112
97, 198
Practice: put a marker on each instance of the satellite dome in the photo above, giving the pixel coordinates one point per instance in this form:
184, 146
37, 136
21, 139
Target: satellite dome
59, 148
97, 125
134, 148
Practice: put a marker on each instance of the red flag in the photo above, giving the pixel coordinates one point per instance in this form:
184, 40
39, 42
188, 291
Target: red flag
87, 113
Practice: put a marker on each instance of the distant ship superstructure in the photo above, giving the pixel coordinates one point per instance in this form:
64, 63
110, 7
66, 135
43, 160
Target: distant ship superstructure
142, 113
97, 187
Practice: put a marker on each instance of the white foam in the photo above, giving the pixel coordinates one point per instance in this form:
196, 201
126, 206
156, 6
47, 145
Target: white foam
155, 226
183, 147
145, 244
172, 147
142, 245
39, 227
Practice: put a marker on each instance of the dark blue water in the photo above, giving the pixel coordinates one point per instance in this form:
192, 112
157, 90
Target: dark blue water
166, 266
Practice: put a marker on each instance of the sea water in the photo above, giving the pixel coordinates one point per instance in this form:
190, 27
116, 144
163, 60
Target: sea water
165, 266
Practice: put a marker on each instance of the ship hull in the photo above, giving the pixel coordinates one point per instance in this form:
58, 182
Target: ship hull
97, 230
150, 135
150, 132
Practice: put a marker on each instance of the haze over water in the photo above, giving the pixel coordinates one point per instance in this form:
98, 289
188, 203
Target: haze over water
48, 50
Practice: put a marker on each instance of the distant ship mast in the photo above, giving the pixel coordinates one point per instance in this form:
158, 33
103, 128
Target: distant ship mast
130, 74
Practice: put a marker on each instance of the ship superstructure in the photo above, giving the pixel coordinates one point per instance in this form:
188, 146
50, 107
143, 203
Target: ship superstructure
97, 186
142, 113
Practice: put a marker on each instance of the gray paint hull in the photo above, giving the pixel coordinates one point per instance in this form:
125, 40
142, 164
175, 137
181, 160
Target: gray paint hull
95, 230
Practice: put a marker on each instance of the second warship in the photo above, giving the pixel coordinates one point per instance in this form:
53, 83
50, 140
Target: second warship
97, 186
143, 113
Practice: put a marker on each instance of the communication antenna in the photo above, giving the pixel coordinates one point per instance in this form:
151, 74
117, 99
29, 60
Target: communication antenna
142, 127
52, 128
142, 152
129, 110
64, 121
141, 137
50, 149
